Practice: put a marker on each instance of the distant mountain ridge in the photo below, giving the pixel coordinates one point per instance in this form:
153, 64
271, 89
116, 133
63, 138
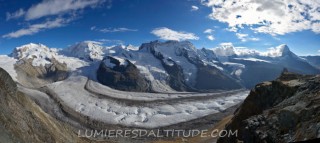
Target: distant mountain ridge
163, 66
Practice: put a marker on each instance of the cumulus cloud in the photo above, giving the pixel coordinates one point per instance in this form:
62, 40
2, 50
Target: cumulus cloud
16, 14
277, 17
168, 34
53, 7
194, 8
35, 28
211, 37
110, 30
245, 37
228, 49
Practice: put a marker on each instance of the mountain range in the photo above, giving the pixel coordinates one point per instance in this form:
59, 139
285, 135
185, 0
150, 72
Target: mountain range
160, 66
156, 66
167, 85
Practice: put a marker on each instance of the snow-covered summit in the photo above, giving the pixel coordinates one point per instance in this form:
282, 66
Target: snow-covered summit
227, 50
279, 51
86, 50
40, 53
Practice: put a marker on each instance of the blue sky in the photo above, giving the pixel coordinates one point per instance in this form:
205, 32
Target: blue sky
206, 23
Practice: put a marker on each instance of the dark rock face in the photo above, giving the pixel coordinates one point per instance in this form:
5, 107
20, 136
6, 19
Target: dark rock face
122, 77
34, 76
176, 77
210, 78
207, 78
284, 110
25, 121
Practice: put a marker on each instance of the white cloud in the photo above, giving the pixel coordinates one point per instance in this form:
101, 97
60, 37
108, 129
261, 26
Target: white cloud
62, 11
111, 41
228, 49
245, 37
276, 17
194, 8
110, 30
35, 28
168, 34
211, 37
16, 14
232, 29
208, 31
54, 7
318, 51
316, 27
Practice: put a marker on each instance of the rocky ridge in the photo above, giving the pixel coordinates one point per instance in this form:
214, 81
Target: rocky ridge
25, 121
284, 110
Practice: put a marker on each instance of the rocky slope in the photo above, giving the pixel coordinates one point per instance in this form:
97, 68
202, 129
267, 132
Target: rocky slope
174, 65
284, 110
123, 76
24, 121
38, 65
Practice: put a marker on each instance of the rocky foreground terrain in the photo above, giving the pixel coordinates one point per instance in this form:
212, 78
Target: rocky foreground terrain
22, 120
284, 110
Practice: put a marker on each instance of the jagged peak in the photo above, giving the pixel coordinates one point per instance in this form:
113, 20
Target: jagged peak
132, 47
279, 51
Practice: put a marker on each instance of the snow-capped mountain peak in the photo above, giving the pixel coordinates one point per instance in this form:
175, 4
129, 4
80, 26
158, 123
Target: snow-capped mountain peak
278, 51
87, 50
40, 53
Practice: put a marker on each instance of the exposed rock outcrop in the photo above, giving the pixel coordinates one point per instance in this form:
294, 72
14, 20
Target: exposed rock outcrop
25, 121
284, 110
35, 76
204, 61
123, 76
38, 65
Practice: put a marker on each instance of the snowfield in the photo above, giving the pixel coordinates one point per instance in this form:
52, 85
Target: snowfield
72, 94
